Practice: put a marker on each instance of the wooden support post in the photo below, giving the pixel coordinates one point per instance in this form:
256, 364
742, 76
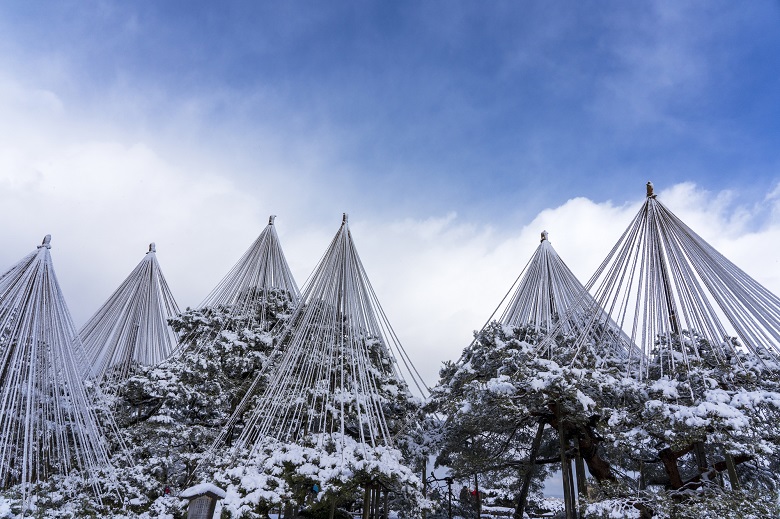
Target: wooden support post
425, 484
377, 489
732, 469
521, 501
332, 514
701, 456
572, 491
582, 480
565, 471
449, 498
386, 507
366, 500
476, 492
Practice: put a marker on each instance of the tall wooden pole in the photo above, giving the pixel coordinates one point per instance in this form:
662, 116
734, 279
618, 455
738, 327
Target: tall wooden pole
732, 469
425, 484
582, 482
565, 474
449, 498
521, 501
476, 492
366, 500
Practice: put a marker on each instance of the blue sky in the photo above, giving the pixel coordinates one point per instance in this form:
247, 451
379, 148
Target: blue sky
495, 110
450, 131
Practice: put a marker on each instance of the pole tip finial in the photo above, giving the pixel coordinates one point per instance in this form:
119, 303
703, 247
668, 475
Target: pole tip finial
650, 192
545, 236
152, 247
345, 219
46, 242
271, 219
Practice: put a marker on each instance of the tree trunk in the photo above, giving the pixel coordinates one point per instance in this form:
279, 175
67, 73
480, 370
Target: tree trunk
598, 467
732, 469
669, 459
366, 501
565, 474
523, 497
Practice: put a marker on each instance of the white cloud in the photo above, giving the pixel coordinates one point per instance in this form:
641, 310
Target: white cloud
104, 196
440, 279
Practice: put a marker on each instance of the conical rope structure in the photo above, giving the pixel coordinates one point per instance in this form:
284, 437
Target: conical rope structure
131, 328
47, 418
677, 298
339, 358
263, 267
548, 296
256, 287
544, 291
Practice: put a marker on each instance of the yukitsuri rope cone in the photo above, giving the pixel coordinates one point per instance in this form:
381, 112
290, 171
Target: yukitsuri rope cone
131, 328
666, 287
698, 331
546, 297
545, 290
336, 353
262, 268
47, 418
243, 299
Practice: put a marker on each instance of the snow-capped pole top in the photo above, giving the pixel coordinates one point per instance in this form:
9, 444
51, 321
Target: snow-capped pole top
345, 219
545, 236
46, 242
650, 193
271, 219
202, 489
152, 248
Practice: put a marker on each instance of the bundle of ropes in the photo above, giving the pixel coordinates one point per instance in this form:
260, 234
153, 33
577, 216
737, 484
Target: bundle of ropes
47, 418
243, 291
676, 297
337, 356
547, 296
131, 328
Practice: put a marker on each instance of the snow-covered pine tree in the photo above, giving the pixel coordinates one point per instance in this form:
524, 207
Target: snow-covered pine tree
324, 433
511, 409
54, 454
172, 412
698, 416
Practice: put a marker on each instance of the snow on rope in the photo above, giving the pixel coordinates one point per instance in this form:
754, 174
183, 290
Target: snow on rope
46, 415
131, 328
677, 298
547, 295
261, 268
338, 364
